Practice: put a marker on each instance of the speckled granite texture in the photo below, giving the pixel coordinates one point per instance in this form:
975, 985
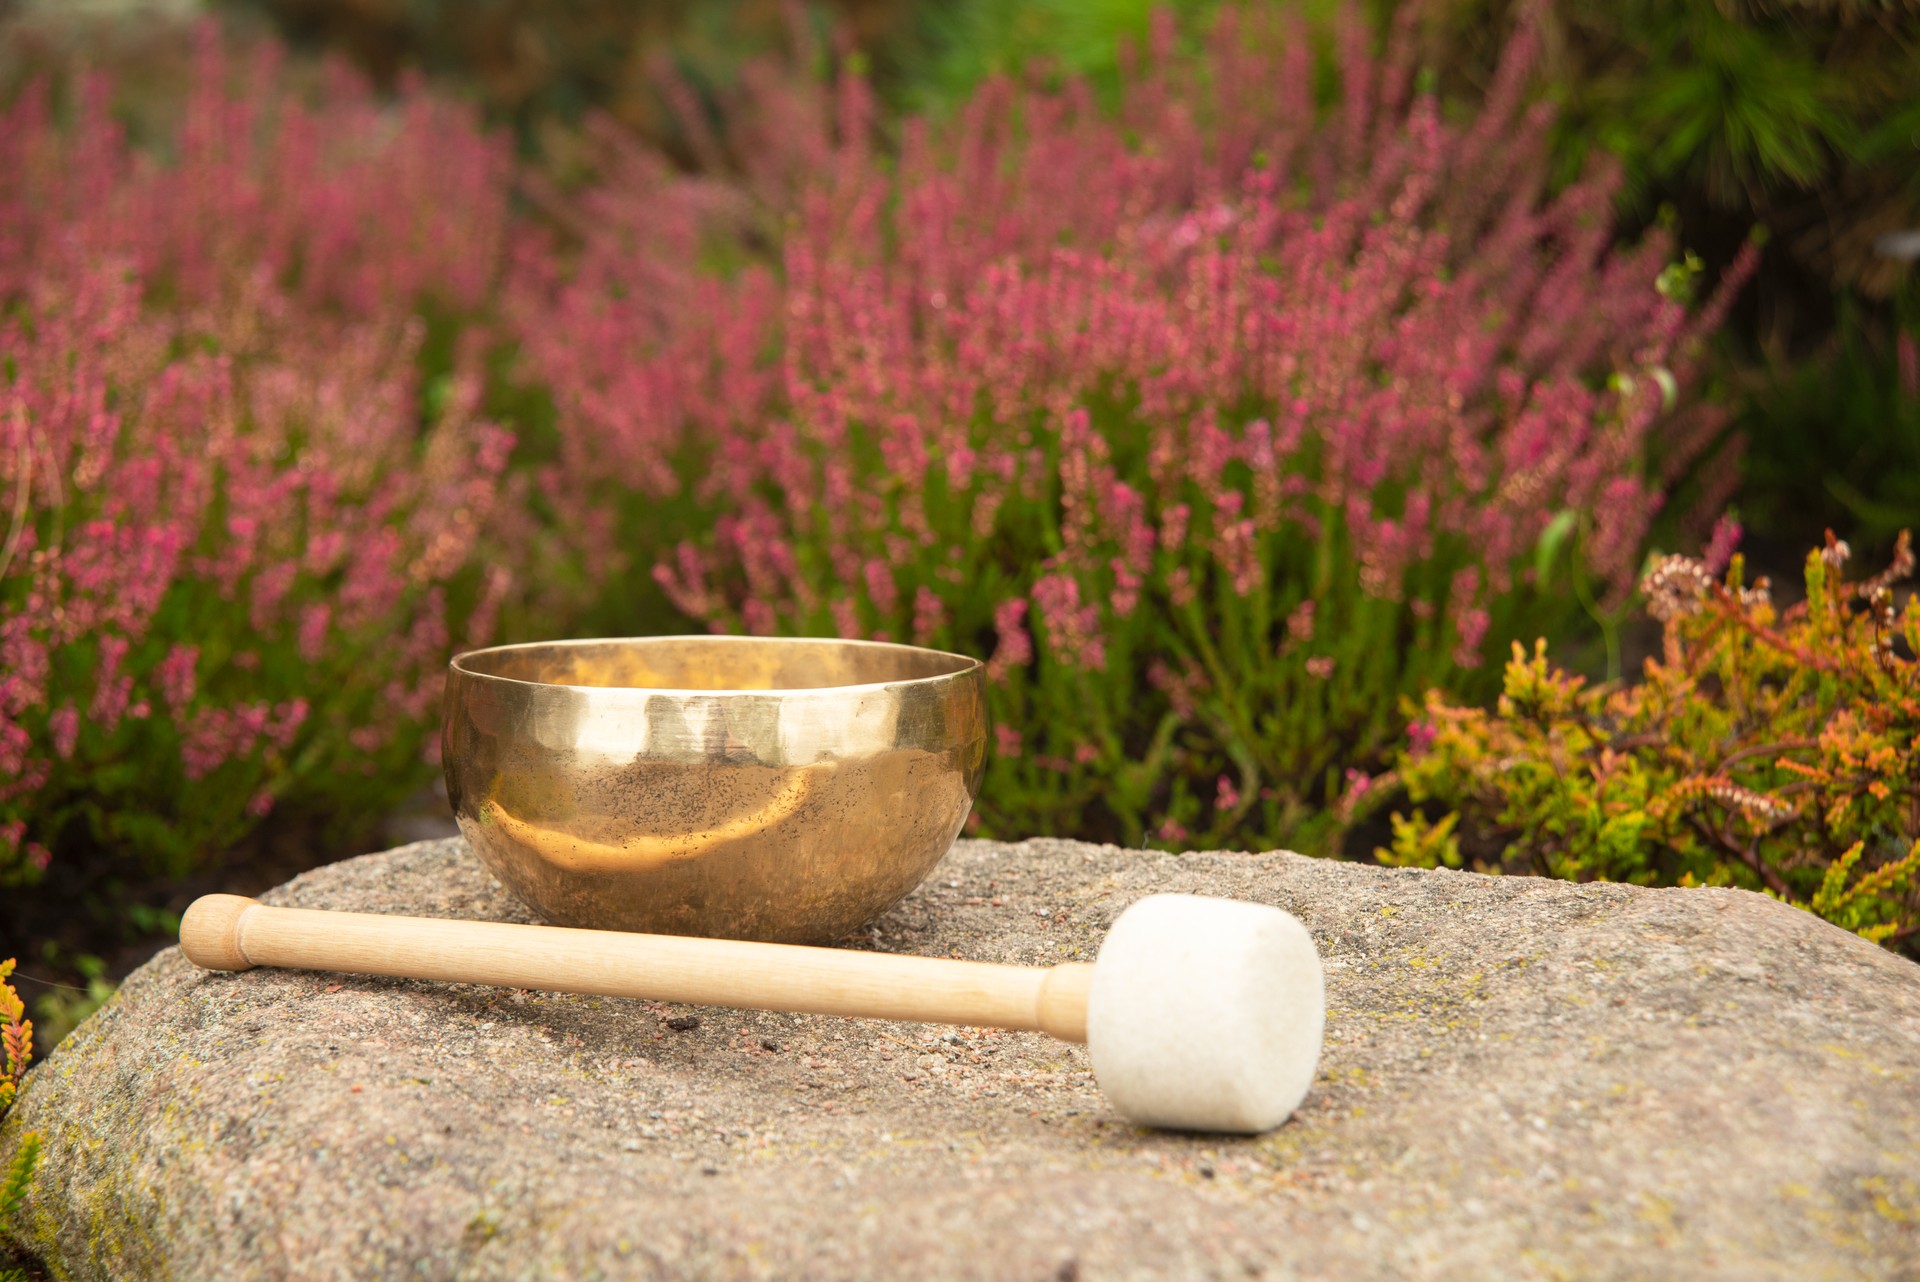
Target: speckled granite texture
1522, 1079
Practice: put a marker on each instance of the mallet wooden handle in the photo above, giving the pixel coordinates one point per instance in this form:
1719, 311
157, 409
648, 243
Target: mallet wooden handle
229, 932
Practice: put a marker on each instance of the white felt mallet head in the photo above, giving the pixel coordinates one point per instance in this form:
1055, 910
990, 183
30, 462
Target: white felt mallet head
1206, 1014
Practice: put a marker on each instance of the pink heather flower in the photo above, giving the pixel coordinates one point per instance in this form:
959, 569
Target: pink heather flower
1172, 831
312, 637
287, 720
175, 676
1173, 526
1239, 556
1720, 545
1085, 754
1226, 795
1465, 589
1073, 629
261, 803
1126, 588
960, 461
1178, 688
270, 588
110, 701
63, 726
1472, 625
210, 740
1015, 646
1358, 784
1180, 587
1007, 739
1124, 514
1300, 622
929, 615
1420, 736
759, 617
15, 745
1320, 666
112, 689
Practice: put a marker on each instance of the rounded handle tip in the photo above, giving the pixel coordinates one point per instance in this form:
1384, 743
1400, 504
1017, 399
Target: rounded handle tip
210, 932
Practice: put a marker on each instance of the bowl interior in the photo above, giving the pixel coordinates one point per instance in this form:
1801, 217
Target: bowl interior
713, 663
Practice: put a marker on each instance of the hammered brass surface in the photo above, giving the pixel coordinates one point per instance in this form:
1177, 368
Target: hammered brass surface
737, 787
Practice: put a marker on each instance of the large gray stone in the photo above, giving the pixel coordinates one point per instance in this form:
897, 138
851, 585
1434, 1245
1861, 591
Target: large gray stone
1522, 1079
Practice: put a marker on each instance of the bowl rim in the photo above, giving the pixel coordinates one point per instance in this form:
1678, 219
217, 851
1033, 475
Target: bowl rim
969, 666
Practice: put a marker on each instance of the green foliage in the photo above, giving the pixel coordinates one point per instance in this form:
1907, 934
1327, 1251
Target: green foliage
61, 1010
967, 42
16, 1048
1775, 750
1797, 117
13, 1185
1833, 442
1720, 98
1202, 731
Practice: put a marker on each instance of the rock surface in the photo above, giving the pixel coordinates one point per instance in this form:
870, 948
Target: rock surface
1522, 1078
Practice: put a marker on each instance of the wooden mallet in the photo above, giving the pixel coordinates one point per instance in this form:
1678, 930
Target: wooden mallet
1200, 1014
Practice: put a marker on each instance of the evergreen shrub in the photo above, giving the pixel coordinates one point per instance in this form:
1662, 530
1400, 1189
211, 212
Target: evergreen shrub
1778, 750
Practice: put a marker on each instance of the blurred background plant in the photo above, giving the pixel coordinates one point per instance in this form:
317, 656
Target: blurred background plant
242, 503
1800, 117
946, 51
1200, 393
1836, 435
1221, 424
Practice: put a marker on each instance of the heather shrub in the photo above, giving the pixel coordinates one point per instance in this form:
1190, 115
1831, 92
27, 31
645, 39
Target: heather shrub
627, 339
16, 1049
1765, 748
1220, 425
241, 512
643, 306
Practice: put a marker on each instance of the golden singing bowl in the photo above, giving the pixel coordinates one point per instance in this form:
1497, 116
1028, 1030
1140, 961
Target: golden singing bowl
736, 787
